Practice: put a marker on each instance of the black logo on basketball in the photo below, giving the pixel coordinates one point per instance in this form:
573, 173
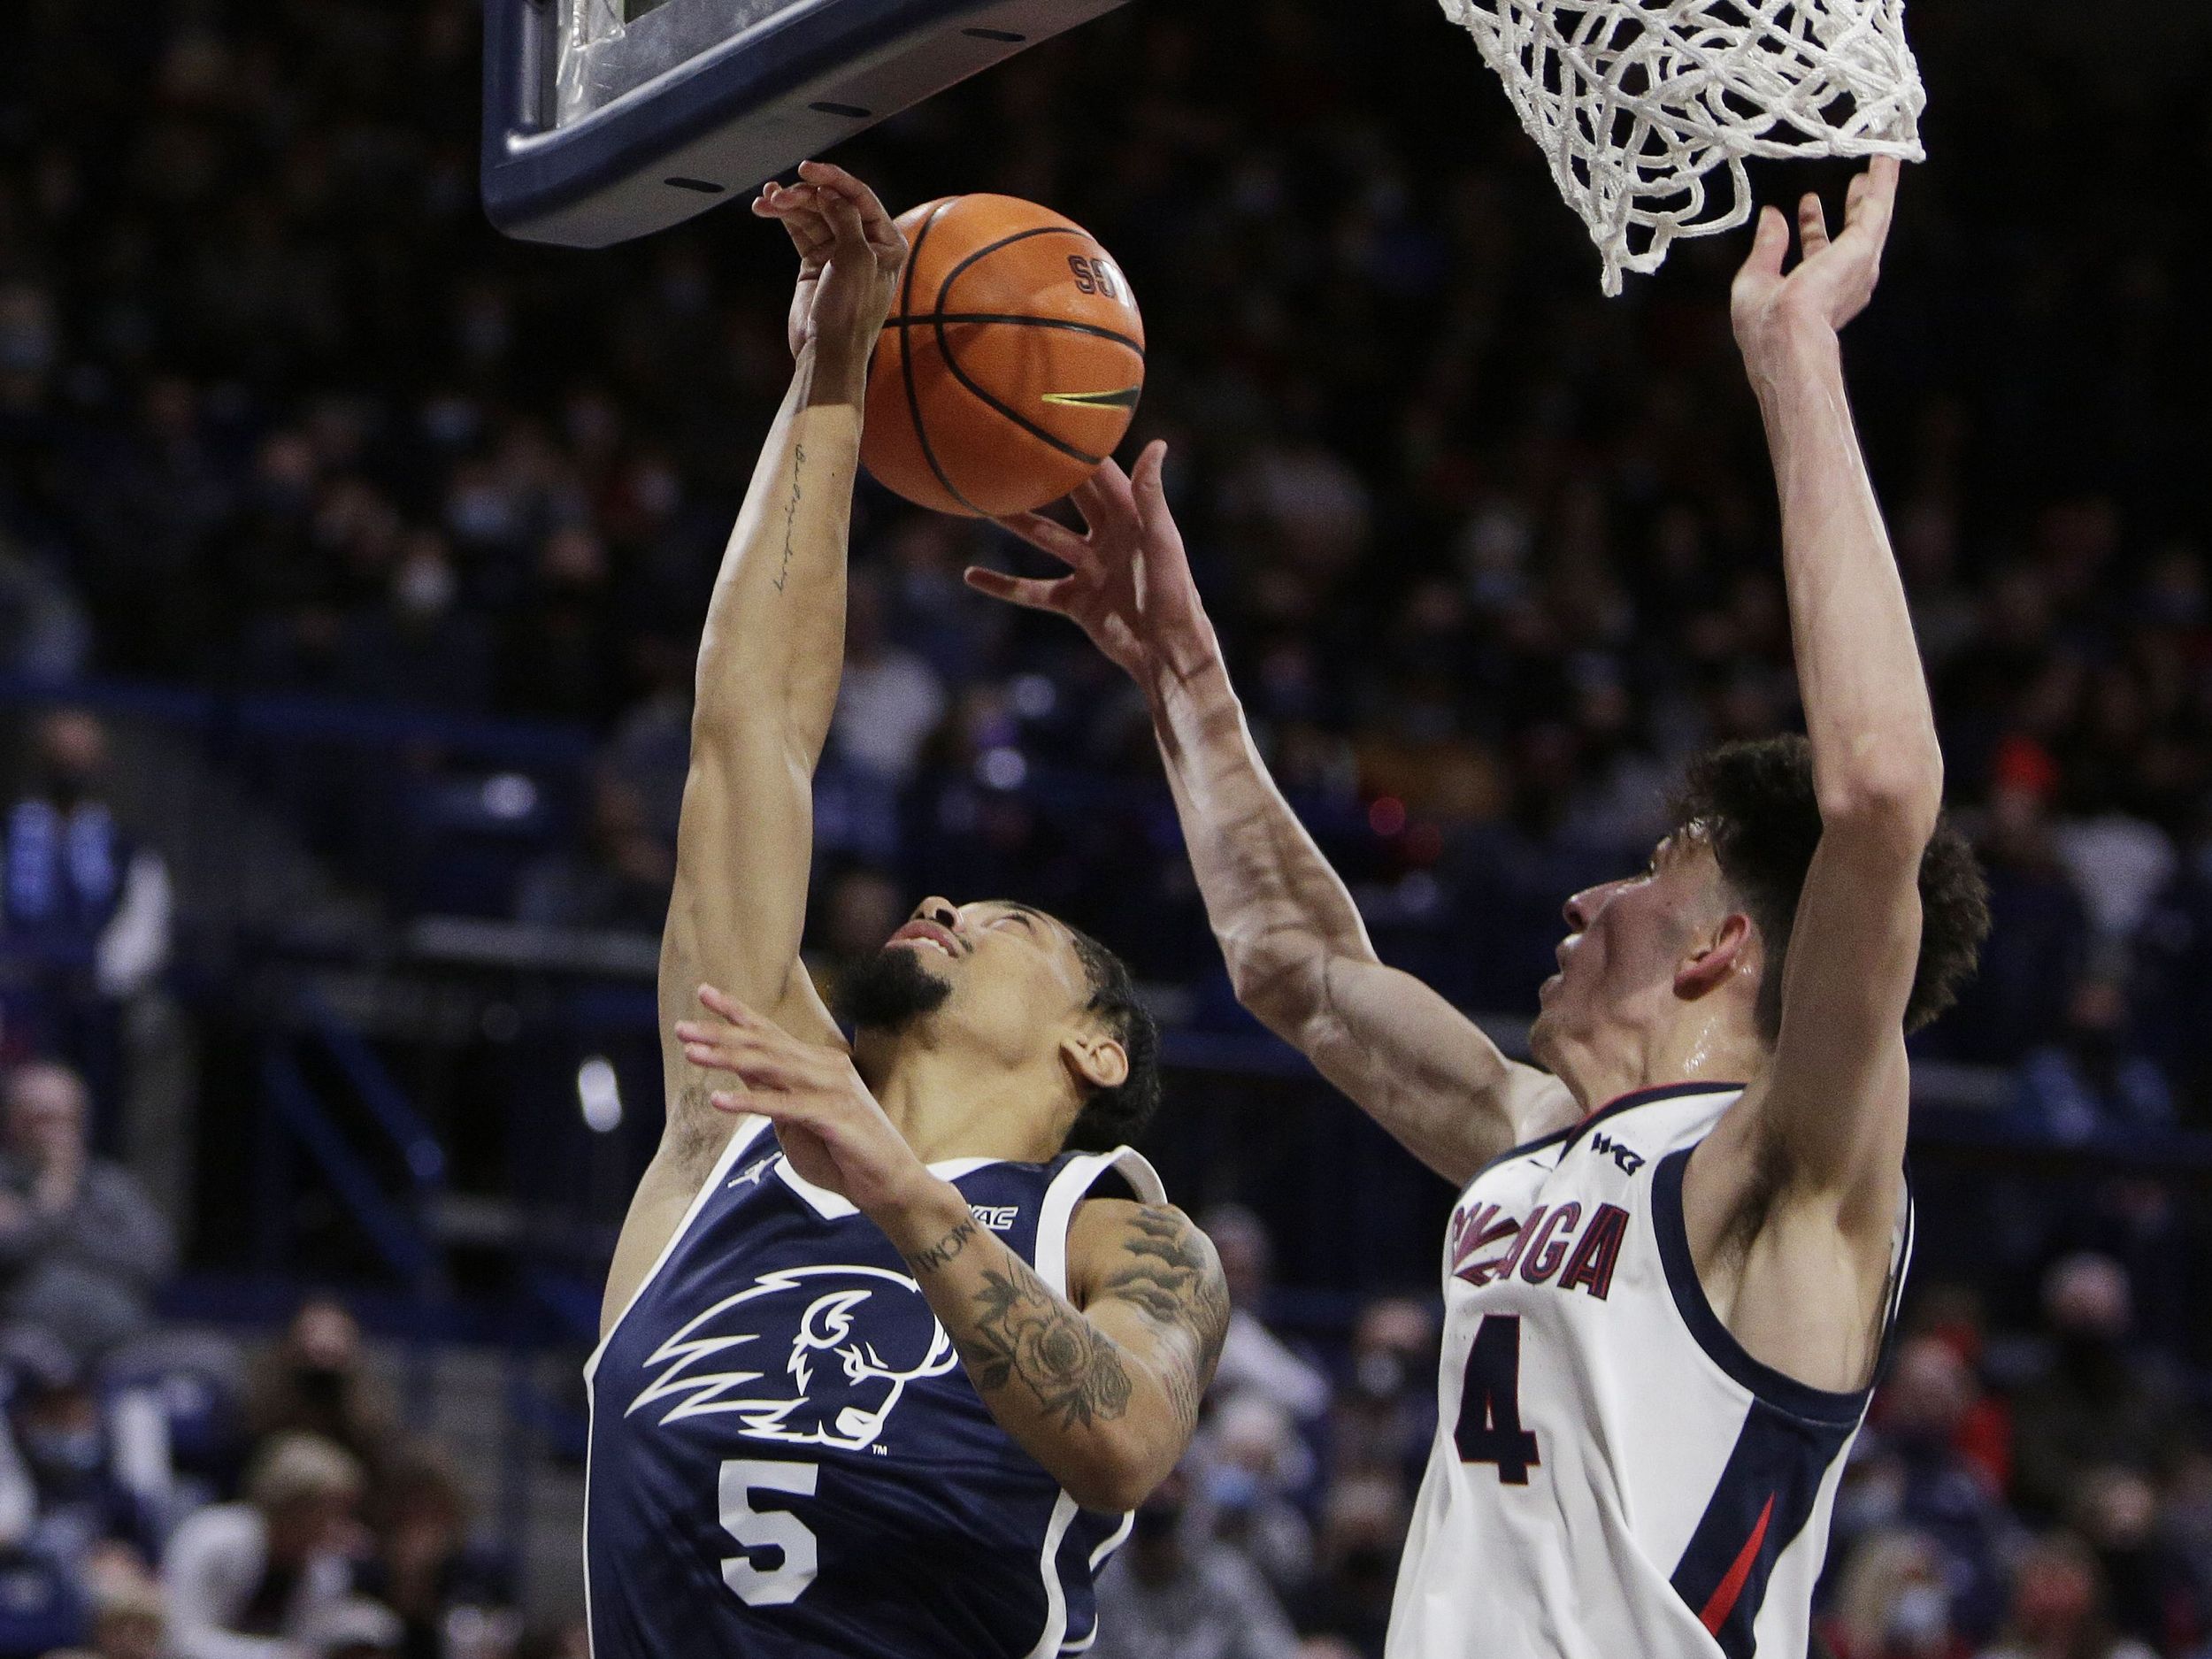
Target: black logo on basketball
1094, 276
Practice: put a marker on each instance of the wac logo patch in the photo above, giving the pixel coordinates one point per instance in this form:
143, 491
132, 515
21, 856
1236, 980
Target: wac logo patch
1629, 1162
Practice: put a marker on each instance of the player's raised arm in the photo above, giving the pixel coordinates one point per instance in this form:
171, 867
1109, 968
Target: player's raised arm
1101, 1382
1297, 952
769, 660
1822, 1135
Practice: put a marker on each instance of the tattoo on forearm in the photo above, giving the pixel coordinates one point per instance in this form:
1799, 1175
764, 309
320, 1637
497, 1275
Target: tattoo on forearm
942, 1252
1023, 1331
791, 513
1173, 1277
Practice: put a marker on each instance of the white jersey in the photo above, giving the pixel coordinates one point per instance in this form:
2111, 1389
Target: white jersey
1613, 1477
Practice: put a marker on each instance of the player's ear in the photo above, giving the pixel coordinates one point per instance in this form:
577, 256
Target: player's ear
1096, 1060
1717, 952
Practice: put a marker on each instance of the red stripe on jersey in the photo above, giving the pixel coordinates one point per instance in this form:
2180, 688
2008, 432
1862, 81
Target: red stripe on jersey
1725, 1593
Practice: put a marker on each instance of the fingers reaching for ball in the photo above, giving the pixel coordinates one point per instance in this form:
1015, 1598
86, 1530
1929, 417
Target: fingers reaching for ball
1031, 593
1050, 537
877, 226
798, 209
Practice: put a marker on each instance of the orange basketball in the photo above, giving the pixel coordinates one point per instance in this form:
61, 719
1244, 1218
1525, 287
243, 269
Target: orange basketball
1011, 363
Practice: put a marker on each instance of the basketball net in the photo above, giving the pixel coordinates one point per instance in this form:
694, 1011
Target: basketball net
1636, 103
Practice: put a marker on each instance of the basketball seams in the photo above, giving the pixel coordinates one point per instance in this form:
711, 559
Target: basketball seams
924, 305
989, 249
1022, 319
939, 318
906, 362
991, 401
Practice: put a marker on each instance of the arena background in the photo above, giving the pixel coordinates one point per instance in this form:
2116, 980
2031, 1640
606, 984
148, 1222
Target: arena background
354, 558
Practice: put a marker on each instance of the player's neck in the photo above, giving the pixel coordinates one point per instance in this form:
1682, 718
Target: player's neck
949, 1104
1704, 1049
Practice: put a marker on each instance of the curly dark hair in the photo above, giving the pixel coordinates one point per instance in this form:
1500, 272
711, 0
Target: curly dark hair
1755, 801
1113, 1117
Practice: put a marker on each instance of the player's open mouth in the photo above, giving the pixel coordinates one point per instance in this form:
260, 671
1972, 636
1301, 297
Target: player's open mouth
938, 938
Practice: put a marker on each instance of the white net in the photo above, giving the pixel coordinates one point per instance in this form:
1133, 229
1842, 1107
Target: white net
1637, 103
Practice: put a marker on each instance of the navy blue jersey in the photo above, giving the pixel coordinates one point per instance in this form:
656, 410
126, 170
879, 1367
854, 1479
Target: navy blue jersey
786, 1458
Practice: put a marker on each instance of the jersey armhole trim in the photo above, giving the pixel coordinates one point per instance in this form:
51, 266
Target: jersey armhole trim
1074, 1180
1784, 1393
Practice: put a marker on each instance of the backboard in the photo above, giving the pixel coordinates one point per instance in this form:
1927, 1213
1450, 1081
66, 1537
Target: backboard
607, 119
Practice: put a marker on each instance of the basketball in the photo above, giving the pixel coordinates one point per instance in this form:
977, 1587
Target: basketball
1011, 363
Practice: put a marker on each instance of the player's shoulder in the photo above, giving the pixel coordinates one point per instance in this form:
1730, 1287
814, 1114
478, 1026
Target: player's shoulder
1108, 1222
1117, 1243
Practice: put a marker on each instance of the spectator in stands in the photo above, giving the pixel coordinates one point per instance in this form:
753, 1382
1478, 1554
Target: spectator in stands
560, 650
1252, 1356
129, 1617
620, 879
569, 1641
2058, 1609
1385, 1411
2150, 1591
1172, 1594
2174, 967
1909, 1472
1953, 1312
43, 632
1891, 1602
890, 700
426, 1568
358, 1628
63, 1450
1363, 1530
2096, 1071
651, 747
316, 1381
1251, 1461
419, 645
263, 1579
43, 1611
82, 1245
84, 908
2092, 1405
2040, 932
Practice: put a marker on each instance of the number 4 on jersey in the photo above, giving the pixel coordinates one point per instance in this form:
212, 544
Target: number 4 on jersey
1489, 1428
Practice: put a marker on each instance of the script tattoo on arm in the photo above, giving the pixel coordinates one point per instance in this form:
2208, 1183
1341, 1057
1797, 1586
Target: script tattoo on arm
791, 514
1172, 1276
1023, 1331
942, 1252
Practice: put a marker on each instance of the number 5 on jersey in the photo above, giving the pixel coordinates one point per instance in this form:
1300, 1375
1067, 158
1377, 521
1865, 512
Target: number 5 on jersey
1489, 1428
762, 1530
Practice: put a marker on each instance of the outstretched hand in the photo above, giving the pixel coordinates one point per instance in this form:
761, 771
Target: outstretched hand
831, 1127
850, 255
1128, 585
1834, 278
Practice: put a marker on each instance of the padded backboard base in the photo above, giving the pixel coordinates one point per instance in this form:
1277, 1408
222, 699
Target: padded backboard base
717, 127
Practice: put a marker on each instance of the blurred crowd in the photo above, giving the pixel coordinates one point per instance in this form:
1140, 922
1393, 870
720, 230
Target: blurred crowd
282, 417
163, 1495
279, 414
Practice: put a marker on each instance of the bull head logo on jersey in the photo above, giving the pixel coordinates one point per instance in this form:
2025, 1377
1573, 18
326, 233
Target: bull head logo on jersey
856, 1337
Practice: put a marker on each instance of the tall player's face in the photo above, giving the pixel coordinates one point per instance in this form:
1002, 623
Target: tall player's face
998, 974
1626, 940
